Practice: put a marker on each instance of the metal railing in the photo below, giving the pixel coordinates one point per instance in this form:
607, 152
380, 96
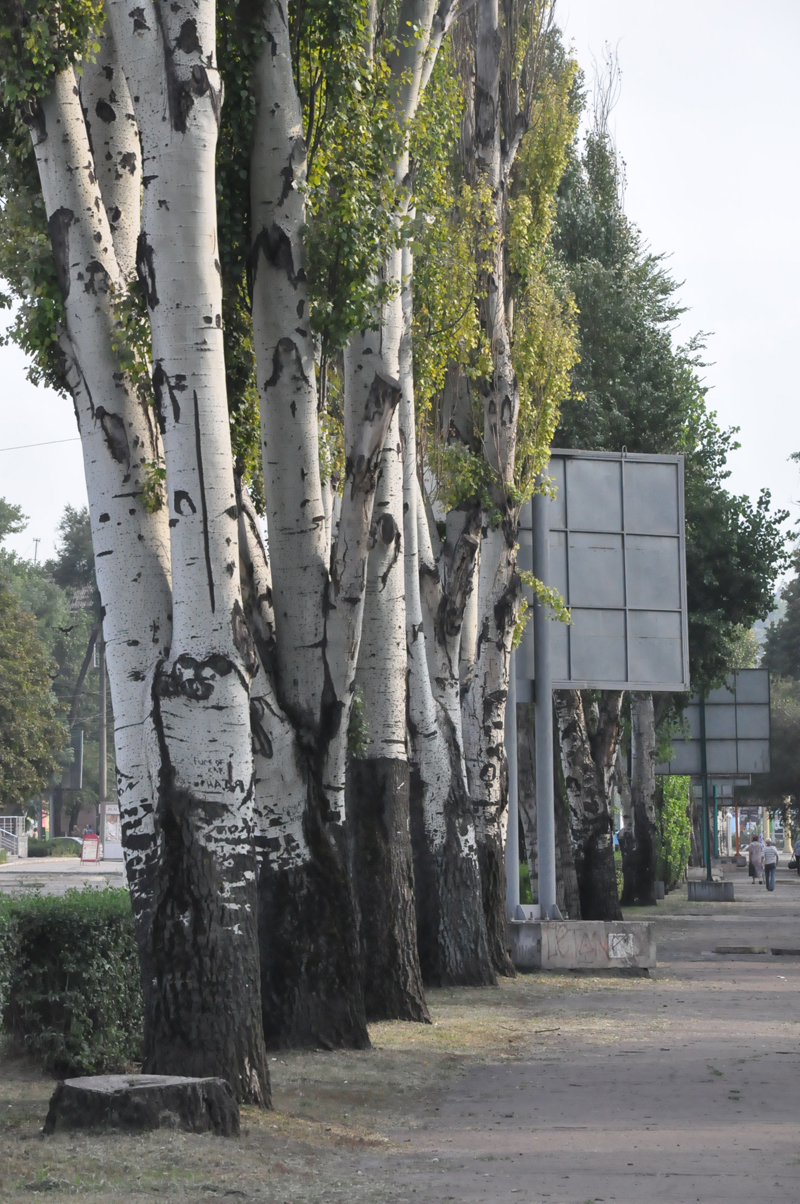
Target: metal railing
12, 835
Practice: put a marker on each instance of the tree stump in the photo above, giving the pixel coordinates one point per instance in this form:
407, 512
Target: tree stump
135, 1103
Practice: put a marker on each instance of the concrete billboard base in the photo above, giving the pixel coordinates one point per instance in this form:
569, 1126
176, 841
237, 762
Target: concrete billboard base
587, 945
710, 892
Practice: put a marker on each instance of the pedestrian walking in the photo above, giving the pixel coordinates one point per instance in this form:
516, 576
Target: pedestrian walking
770, 862
797, 854
756, 859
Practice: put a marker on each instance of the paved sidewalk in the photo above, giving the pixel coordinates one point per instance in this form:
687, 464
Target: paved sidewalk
685, 1089
56, 875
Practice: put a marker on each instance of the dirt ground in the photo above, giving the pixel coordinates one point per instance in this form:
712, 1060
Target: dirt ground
559, 1089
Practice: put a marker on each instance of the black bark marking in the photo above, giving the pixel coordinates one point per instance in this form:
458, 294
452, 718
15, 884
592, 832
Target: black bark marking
182, 496
128, 163
203, 503
188, 40
139, 21
242, 639
105, 111
99, 554
32, 114
58, 225
276, 247
190, 678
362, 462
160, 382
262, 744
116, 436
286, 356
104, 518
146, 270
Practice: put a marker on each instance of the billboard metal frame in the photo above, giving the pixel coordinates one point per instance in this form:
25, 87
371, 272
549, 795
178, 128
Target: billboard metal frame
564, 522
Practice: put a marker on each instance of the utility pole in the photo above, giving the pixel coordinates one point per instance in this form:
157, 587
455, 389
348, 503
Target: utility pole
36, 543
102, 767
512, 831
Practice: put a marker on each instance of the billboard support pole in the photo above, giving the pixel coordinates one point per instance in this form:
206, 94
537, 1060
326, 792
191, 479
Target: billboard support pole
543, 717
512, 830
704, 781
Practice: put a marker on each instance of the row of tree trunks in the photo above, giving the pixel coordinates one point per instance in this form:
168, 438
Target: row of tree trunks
637, 838
439, 940
588, 744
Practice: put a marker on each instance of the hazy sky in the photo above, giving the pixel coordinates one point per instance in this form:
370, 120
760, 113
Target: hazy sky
709, 127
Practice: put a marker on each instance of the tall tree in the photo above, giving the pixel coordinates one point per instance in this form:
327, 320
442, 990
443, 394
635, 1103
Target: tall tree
634, 388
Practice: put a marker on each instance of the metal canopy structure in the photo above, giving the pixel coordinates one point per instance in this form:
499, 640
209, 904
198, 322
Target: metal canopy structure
617, 556
735, 722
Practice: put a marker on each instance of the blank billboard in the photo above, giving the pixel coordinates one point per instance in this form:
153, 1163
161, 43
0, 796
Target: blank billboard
737, 729
617, 557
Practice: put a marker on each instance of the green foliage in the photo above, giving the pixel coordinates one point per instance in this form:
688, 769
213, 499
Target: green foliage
782, 647
674, 832
454, 237
65, 616
53, 848
69, 980
30, 733
358, 728
26, 258
154, 490
548, 595
12, 520
40, 38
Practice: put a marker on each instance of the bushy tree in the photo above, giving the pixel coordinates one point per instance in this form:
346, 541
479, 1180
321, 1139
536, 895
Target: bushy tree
30, 732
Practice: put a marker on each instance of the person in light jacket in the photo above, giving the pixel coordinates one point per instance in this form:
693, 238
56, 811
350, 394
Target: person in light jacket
756, 857
770, 862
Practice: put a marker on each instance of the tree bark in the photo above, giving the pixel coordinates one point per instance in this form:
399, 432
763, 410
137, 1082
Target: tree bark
378, 806
484, 727
587, 759
454, 946
639, 847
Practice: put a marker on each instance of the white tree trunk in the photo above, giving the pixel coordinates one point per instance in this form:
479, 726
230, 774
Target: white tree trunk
450, 921
202, 755
119, 439
116, 153
298, 537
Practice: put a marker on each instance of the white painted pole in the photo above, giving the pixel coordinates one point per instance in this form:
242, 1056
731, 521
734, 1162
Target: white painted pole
543, 695
512, 832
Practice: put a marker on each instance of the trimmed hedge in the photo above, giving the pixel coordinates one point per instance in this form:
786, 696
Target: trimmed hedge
60, 847
69, 980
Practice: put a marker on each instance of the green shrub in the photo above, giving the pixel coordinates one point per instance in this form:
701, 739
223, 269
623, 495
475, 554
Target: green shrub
39, 848
60, 847
3, 856
69, 979
525, 893
674, 830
